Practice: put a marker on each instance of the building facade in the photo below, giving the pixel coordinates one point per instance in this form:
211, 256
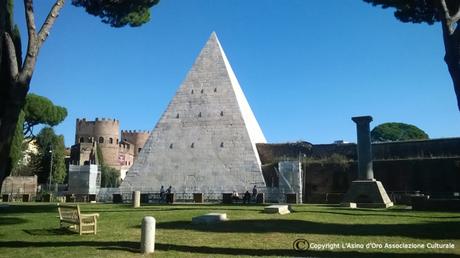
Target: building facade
116, 150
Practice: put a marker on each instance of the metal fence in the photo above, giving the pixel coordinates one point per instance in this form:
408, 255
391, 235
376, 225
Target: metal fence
106, 195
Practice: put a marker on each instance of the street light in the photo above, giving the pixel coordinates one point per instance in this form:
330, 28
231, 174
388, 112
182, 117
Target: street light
51, 169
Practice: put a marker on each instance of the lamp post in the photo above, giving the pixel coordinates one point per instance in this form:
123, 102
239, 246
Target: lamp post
51, 169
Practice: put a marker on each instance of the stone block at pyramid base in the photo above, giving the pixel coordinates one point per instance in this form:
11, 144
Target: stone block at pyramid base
367, 194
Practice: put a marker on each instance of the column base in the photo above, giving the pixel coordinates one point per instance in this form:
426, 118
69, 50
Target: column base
366, 194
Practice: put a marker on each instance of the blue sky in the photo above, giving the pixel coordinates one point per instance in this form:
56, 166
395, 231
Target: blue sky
306, 67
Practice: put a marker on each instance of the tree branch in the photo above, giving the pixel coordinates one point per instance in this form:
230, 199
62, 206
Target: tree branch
26, 132
445, 9
11, 52
29, 131
448, 19
30, 21
35, 41
50, 19
32, 48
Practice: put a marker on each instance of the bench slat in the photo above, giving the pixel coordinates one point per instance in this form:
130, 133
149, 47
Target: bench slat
71, 214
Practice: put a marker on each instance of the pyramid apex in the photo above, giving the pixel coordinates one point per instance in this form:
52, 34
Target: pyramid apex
213, 37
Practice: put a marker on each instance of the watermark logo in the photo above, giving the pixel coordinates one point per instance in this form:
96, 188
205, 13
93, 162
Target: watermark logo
300, 245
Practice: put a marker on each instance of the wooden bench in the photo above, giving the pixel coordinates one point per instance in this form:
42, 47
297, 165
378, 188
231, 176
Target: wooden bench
71, 215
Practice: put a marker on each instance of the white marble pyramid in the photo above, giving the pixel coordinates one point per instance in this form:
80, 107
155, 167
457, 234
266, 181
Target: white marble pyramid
205, 140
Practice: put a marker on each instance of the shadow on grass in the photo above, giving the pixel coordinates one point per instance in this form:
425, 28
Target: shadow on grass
49, 232
129, 246
160, 208
20, 208
134, 247
432, 230
286, 252
367, 213
11, 220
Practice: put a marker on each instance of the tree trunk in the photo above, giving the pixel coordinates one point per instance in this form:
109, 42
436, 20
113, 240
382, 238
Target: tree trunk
11, 105
5, 129
452, 56
15, 76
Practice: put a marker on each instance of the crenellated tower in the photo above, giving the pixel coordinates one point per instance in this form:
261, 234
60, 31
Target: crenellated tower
104, 132
117, 151
136, 137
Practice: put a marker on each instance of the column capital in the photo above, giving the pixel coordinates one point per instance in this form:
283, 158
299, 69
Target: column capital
362, 119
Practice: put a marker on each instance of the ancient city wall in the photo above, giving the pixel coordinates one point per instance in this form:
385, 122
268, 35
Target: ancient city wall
445, 147
273, 152
429, 166
19, 185
436, 177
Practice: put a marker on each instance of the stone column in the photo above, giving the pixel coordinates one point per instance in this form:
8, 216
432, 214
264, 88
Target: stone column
365, 171
148, 235
136, 199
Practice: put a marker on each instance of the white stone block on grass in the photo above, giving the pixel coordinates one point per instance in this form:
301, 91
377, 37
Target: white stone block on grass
349, 205
210, 218
280, 209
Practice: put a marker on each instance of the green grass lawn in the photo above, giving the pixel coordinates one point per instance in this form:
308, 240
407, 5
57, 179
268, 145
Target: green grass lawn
32, 230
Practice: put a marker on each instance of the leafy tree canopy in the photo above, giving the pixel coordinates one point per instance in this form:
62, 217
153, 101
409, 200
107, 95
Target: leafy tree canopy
51, 147
397, 132
119, 13
417, 11
17, 146
40, 110
110, 177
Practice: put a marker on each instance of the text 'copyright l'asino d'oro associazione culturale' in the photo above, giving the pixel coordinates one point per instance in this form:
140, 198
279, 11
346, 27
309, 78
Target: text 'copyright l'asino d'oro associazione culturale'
303, 245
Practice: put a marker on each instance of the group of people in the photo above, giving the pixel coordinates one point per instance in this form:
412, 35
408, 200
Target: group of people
165, 195
246, 196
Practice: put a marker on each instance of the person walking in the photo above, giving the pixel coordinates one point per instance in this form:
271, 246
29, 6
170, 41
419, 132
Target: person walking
162, 194
254, 193
169, 195
246, 197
